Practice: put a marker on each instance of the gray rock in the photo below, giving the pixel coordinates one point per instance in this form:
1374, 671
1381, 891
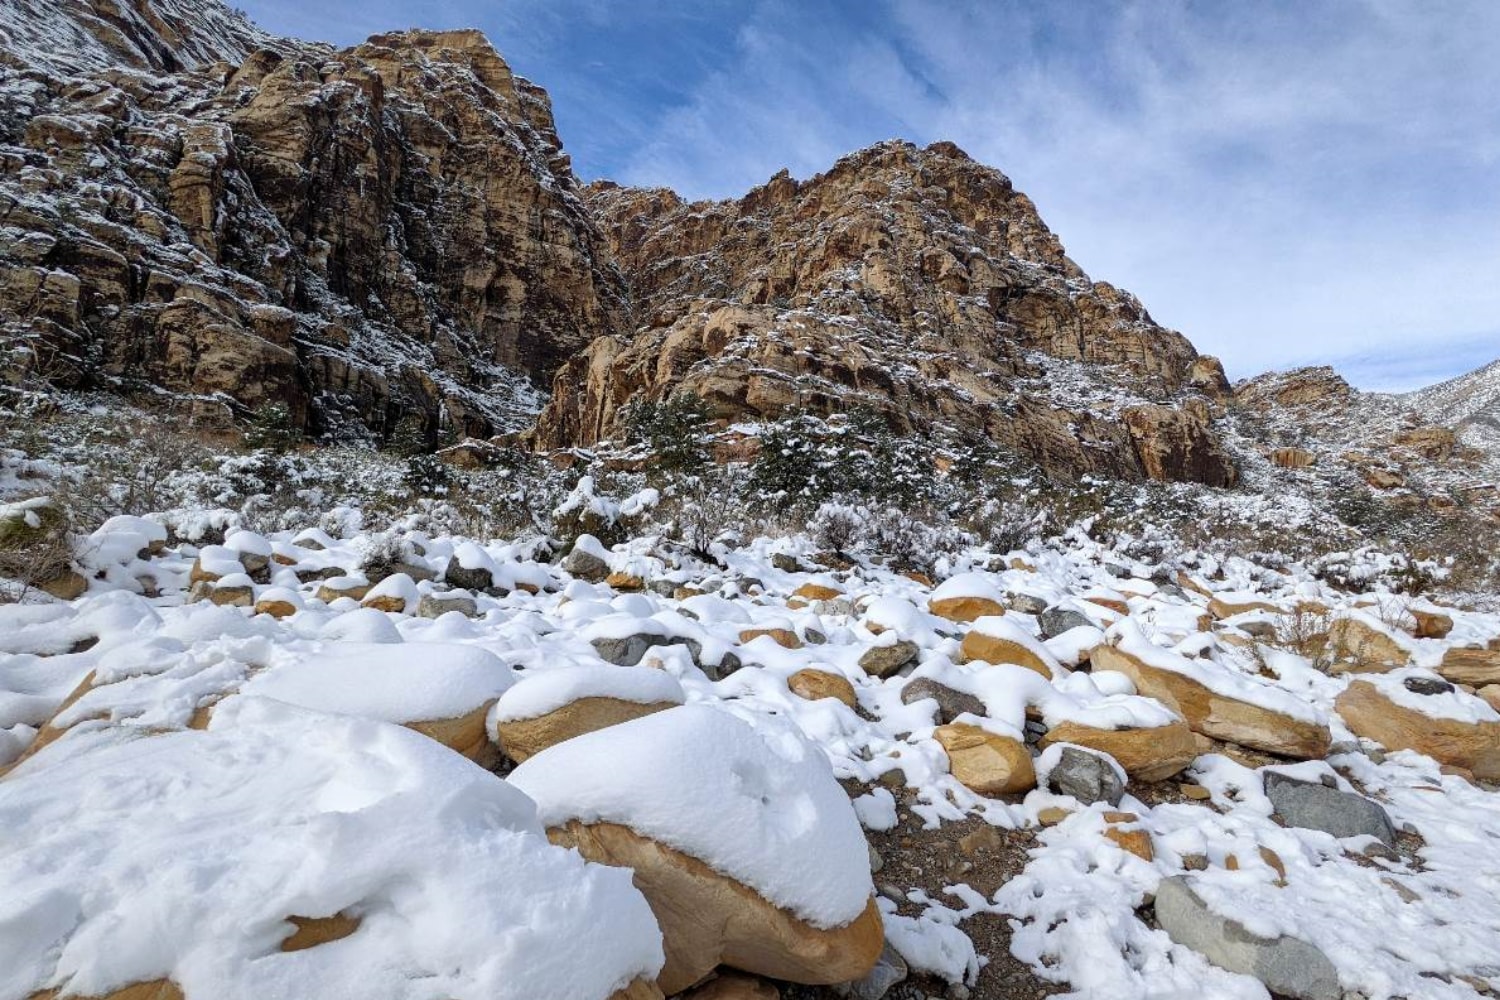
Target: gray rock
889, 970
951, 704
437, 605
1315, 806
1258, 629
1056, 621
585, 566
467, 579
883, 661
1427, 685
785, 562
626, 652
1287, 966
1087, 776
876, 861
1027, 604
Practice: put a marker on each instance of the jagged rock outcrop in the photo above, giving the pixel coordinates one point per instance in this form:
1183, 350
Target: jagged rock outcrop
914, 281
65, 36
364, 233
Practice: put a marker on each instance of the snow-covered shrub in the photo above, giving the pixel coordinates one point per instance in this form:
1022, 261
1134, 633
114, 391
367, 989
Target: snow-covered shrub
674, 429
272, 428
837, 527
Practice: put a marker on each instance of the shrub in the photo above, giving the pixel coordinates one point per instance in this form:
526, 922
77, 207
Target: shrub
675, 430
272, 429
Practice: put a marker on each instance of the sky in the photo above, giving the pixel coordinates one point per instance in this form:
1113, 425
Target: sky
1287, 182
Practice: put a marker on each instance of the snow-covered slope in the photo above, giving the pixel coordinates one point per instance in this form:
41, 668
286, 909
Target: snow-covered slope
1469, 403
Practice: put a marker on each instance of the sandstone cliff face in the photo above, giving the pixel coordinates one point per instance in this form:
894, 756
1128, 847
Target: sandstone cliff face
914, 281
364, 233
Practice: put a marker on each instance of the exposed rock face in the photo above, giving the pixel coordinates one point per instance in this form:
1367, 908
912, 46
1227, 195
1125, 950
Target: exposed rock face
360, 233
157, 35
914, 281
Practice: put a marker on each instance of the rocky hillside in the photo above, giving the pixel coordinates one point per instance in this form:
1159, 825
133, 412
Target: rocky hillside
1469, 403
66, 36
913, 281
362, 234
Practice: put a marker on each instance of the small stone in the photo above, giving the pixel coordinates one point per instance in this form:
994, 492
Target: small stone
890, 969
786, 563
1087, 776
626, 651
1028, 604
1427, 686
437, 605
1137, 842
986, 838
1056, 621
1195, 792
876, 861
585, 565
951, 703
884, 661
1052, 815
815, 684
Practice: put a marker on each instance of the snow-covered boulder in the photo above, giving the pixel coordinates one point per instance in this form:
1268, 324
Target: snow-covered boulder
296, 854
965, 597
747, 848
1216, 701
996, 639
1413, 710
441, 690
555, 705
396, 594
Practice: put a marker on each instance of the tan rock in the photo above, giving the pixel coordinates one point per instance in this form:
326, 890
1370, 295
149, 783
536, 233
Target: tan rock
1292, 458
816, 684
733, 986
1052, 815
986, 762
276, 609
467, 734
313, 931
817, 592
1221, 609
1135, 841
66, 585
992, 649
1472, 746
708, 919
1431, 624
389, 603
331, 591
965, 609
627, 582
1146, 754
1477, 667
781, 636
521, 738
1490, 694
156, 989
232, 597
1359, 647
1215, 715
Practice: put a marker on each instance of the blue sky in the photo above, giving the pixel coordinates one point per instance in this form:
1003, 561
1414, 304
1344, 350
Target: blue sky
1301, 182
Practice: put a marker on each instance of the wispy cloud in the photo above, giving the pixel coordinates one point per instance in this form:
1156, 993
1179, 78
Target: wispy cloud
1288, 182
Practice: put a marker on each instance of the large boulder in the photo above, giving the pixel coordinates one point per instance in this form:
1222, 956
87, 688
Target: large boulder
258, 857
1361, 644
554, 705
1313, 805
1287, 966
1474, 667
1447, 725
746, 847
1215, 701
1147, 753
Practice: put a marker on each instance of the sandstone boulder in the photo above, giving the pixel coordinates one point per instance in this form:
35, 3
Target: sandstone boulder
1360, 645
985, 762
770, 871
1474, 667
1147, 754
1456, 729
1216, 713
999, 640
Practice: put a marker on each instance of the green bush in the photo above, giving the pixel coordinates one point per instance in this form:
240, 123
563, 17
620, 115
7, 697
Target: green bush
272, 429
675, 429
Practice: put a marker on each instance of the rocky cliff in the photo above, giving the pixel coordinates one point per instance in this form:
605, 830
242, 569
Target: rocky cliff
914, 281
363, 234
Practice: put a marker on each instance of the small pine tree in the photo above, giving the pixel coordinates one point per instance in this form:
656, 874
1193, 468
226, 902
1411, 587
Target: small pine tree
272, 429
675, 430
